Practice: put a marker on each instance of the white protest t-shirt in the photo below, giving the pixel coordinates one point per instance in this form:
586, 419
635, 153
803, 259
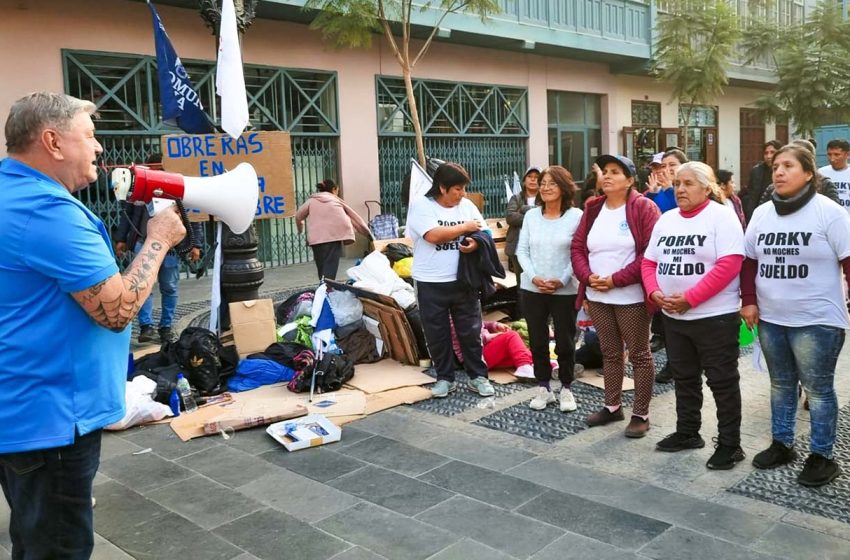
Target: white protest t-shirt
437, 263
842, 183
686, 249
611, 246
798, 282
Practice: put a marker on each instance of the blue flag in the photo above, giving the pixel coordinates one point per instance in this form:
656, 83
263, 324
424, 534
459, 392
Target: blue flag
180, 102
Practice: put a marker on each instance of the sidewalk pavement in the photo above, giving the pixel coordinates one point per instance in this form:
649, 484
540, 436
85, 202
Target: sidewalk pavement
408, 484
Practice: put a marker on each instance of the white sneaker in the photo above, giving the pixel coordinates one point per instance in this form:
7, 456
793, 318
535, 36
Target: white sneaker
567, 401
525, 371
542, 399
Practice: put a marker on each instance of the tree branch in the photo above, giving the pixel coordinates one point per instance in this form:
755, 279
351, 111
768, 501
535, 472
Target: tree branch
450, 10
388, 33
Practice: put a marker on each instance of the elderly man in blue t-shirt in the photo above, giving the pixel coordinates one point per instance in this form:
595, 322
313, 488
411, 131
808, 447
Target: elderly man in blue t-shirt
64, 311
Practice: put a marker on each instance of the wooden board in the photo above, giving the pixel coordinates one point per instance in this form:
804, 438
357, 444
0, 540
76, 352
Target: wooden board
395, 330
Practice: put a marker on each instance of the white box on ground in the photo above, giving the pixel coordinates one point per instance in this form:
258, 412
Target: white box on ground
301, 433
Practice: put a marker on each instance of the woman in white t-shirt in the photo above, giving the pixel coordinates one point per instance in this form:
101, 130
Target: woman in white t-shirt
438, 224
547, 284
607, 252
690, 270
796, 247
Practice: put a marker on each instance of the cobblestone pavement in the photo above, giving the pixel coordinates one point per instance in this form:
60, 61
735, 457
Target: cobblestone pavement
410, 484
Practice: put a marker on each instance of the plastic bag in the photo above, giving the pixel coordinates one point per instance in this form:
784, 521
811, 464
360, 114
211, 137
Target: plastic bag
345, 306
404, 267
140, 407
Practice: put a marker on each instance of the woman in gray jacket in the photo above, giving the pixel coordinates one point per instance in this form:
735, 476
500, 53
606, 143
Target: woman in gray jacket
518, 205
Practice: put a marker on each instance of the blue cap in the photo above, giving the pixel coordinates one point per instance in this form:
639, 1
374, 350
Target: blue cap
624, 162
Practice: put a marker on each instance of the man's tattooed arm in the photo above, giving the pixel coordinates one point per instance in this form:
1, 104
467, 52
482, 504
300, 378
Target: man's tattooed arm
114, 302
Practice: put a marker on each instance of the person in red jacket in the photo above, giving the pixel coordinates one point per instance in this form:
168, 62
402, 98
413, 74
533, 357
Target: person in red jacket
607, 251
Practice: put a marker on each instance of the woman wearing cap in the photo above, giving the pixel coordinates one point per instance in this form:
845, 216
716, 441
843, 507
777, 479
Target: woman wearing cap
518, 205
690, 270
438, 224
797, 246
332, 225
607, 251
660, 184
548, 287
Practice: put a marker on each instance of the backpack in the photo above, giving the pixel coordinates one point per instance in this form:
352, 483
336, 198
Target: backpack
331, 373
202, 358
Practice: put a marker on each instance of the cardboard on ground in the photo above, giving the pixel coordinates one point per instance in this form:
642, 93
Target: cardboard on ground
387, 399
594, 380
385, 375
269, 402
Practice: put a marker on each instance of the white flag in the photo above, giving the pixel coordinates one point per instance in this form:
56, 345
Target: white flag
517, 184
508, 192
420, 183
229, 78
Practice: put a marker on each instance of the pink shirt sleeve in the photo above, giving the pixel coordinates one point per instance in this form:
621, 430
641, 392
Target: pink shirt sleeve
724, 271
647, 273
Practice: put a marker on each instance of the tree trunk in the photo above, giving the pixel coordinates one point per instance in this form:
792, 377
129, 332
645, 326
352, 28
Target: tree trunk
414, 114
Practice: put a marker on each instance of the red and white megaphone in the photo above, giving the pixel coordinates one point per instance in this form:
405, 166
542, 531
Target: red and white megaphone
232, 196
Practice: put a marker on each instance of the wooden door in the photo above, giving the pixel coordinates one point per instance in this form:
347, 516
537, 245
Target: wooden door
709, 146
752, 142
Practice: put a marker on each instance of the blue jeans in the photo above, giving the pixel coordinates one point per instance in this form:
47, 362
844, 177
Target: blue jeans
49, 492
807, 355
168, 279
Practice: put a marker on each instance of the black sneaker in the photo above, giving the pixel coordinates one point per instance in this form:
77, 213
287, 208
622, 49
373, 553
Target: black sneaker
165, 334
679, 442
725, 457
818, 471
147, 333
656, 343
665, 375
774, 456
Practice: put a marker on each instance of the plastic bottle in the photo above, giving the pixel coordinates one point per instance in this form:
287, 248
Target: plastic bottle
186, 395
174, 402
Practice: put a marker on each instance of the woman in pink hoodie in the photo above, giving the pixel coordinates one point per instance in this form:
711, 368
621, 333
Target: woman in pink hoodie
332, 225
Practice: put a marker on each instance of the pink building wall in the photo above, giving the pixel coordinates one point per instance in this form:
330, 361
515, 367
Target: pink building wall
32, 33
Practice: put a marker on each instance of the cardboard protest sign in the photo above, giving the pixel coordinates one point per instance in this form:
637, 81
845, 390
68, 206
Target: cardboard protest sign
207, 155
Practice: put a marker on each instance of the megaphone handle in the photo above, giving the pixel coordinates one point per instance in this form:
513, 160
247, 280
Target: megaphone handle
184, 247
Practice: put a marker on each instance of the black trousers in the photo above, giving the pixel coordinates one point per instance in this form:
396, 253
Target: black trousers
562, 309
437, 302
707, 345
327, 257
517, 270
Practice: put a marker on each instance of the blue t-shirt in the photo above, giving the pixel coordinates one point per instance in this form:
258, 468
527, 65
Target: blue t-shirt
665, 199
61, 374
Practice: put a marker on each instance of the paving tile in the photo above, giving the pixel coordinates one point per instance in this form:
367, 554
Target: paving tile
673, 544
253, 441
506, 532
246, 556
721, 521
143, 473
120, 509
470, 550
204, 502
357, 553
387, 533
319, 464
271, 534
576, 547
350, 436
227, 466
483, 484
611, 525
391, 490
802, 544
477, 451
111, 446
172, 536
298, 496
572, 479
104, 550
399, 427
394, 455
165, 443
